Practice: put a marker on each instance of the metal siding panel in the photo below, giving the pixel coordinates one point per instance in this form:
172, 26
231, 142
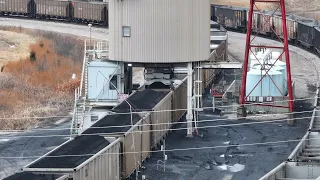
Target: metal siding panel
129, 157
158, 119
146, 45
14, 6
317, 39
105, 166
146, 135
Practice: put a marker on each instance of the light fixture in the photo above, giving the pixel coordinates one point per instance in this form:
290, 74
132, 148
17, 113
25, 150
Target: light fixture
129, 65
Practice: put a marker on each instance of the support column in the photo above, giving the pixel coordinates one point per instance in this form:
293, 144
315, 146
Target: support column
189, 116
291, 120
213, 105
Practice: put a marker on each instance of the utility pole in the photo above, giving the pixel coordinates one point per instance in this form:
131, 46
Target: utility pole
90, 25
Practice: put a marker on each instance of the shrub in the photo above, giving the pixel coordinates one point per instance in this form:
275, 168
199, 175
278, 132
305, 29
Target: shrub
41, 84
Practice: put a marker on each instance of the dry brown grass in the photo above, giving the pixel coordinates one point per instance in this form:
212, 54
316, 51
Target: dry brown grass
14, 46
40, 85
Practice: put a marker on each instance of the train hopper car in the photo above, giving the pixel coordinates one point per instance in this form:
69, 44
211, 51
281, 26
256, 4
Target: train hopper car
317, 39
33, 176
16, 7
60, 9
231, 17
306, 32
95, 12
82, 158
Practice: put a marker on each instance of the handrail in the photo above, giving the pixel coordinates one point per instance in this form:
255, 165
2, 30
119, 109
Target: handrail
76, 97
214, 55
83, 67
232, 84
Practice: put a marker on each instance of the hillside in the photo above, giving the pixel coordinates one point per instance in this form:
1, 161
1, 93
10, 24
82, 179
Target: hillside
39, 84
307, 8
14, 46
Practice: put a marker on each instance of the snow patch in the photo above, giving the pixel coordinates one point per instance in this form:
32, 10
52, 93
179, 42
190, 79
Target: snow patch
61, 121
4, 140
51, 147
234, 168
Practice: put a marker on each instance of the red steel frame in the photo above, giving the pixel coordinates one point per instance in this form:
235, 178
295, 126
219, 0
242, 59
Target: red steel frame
250, 45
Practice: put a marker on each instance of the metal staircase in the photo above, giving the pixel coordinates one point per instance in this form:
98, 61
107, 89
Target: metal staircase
95, 50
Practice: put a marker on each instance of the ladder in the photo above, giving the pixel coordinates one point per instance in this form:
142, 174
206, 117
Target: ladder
197, 91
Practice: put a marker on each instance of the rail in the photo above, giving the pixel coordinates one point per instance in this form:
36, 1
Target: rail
97, 48
77, 95
298, 149
274, 173
303, 162
83, 69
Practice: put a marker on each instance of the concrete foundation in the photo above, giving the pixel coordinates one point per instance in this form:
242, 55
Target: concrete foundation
291, 121
242, 112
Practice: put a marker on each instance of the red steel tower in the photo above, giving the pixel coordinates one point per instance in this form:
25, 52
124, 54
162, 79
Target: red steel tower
250, 45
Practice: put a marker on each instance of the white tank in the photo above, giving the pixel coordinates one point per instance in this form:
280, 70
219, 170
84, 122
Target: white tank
266, 87
283, 75
283, 65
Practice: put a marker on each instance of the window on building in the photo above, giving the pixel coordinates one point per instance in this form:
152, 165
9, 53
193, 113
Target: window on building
113, 82
126, 31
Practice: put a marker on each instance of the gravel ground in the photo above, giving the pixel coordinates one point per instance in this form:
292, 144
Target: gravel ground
226, 155
67, 28
17, 146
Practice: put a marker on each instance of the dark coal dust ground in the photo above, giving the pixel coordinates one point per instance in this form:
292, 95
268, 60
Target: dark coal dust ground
19, 149
226, 163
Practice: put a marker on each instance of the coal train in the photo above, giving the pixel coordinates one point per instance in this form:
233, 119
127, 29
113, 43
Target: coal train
116, 145
302, 31
63, 10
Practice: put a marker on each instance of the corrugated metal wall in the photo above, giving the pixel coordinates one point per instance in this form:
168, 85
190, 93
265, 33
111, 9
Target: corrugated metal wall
132, 151
90, 11
17, 6
180, 100
145, 138
161, 120
291, 26
105, 166
52, 8
162, 31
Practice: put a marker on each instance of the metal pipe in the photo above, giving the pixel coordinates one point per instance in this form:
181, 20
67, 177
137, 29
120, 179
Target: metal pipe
189, 116
286, 50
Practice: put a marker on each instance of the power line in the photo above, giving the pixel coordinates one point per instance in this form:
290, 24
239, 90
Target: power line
156, 124
138, 111
113, 134
167, 150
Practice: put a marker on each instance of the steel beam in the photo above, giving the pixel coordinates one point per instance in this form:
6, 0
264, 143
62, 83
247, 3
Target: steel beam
221, 65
